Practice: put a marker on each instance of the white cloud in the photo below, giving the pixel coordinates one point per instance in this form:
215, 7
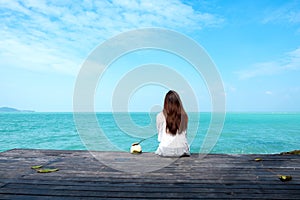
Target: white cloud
268, 93
291, 61
58, 35
287, 13
229, 88
36, 57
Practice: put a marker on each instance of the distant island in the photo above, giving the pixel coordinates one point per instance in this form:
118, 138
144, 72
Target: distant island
8, 109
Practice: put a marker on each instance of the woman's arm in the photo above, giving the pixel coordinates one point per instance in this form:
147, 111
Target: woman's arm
160, 119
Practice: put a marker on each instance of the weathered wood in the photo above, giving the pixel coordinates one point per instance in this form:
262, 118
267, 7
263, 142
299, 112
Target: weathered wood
82, 176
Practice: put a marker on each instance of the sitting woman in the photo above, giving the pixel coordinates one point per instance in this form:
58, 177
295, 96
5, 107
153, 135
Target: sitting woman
172, 126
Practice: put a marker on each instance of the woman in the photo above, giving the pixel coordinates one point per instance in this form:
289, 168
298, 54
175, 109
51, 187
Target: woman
172, 126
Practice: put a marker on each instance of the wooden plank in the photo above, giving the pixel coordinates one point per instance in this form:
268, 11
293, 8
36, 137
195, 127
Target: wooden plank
143, 192
148, 188
154, 195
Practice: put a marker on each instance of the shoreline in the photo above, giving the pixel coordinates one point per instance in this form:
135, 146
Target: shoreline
292, 152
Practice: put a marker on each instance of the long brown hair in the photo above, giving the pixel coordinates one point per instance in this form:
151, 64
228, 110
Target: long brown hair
176, 117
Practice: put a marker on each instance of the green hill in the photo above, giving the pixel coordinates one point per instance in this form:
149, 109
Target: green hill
8, 109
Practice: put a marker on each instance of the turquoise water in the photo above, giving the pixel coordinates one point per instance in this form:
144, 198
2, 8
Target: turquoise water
242, 132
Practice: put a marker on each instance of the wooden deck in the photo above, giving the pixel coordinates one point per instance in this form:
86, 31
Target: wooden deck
81, 176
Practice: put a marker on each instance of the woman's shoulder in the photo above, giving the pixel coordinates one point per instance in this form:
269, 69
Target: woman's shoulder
160, 115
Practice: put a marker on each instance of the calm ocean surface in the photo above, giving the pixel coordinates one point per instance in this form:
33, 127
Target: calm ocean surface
242, 132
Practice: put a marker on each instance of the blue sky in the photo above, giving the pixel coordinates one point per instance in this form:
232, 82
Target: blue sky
254, 44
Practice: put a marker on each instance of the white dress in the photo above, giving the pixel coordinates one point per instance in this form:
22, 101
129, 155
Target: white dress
170, 145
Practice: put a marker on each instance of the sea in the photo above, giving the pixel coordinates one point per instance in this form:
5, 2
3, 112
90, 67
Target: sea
241, 133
